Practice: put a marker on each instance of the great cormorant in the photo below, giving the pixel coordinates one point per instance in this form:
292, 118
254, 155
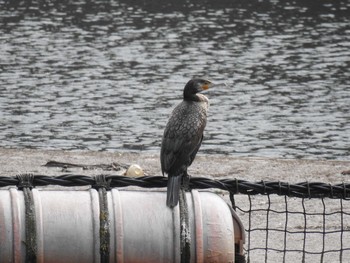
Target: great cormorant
183, 136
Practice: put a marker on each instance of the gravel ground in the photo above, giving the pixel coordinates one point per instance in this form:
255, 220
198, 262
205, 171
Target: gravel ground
15, 161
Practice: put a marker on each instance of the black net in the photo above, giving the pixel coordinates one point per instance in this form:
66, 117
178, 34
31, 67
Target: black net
291, 229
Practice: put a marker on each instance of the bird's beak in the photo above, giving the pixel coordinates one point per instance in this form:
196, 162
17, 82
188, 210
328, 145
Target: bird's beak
207, 85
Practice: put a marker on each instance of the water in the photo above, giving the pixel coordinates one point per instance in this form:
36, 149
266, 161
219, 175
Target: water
105, 75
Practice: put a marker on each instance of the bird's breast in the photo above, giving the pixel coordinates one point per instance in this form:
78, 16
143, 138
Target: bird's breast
187, 118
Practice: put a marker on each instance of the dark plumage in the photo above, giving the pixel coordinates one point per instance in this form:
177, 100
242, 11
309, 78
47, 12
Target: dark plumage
183, 136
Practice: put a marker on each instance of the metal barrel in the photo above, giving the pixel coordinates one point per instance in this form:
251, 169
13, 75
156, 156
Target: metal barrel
128, 226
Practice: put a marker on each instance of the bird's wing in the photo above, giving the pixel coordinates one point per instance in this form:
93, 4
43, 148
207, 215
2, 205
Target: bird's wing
181, 141
194, 153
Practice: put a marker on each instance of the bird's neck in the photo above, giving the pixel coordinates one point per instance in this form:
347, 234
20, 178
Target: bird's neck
196, 98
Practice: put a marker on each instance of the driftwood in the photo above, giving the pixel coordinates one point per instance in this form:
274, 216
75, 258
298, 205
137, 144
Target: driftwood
107, 167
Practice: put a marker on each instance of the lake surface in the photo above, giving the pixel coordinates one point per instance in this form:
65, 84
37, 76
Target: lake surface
105, 75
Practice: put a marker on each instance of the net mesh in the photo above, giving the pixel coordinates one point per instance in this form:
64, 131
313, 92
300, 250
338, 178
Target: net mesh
292, 229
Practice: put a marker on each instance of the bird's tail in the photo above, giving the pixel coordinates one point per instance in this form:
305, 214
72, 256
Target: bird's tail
173, 190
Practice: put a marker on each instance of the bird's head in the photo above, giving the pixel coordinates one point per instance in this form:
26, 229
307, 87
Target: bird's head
195, 86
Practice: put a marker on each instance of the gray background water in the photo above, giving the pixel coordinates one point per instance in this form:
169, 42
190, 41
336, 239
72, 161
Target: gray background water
105, 75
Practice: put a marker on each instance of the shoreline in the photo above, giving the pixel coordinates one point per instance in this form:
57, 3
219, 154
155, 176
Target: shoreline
16, 161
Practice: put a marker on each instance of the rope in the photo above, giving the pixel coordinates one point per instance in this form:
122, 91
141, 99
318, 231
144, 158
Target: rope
25, 183
185, 235
102, 185
235, 186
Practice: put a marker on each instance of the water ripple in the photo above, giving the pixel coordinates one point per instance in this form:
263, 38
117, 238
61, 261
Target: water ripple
104, 75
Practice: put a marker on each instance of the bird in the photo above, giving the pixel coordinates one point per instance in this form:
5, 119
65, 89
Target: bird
183, 136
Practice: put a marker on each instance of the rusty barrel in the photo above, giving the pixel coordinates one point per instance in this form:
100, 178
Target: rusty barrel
137, 227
